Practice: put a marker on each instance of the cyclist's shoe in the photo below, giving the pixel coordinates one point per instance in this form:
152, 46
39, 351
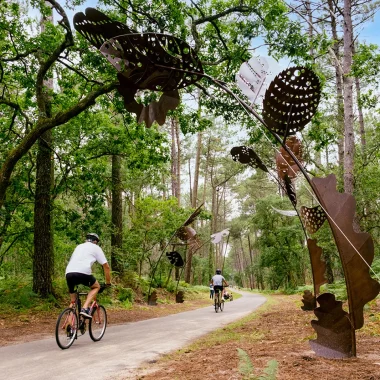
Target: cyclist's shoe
86, 313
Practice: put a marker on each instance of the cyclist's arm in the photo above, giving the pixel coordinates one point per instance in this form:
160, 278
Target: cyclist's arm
225, 283
107, 273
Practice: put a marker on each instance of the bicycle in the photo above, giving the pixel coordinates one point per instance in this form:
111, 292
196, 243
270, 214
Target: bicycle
218, 302
70, 322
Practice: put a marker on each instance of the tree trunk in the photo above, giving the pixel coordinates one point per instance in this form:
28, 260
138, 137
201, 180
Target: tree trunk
178, 162
363, 142
349, 144
339, 88
117, 216
43, 255
175, 170
360, 112
196, 171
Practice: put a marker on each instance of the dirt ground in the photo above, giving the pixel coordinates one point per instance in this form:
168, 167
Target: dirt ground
280, 332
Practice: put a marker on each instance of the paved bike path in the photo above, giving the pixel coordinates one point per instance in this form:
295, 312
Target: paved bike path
124, 348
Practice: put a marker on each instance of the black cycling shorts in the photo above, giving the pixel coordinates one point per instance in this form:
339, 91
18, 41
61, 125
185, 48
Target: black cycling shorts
73, 279
217, 288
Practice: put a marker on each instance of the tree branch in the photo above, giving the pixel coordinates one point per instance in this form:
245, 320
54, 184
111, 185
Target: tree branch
17, 108
237, 9
42, 126
45, 66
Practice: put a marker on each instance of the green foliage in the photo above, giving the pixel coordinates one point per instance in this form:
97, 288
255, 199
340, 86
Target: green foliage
246, 368
125, 294
338, 288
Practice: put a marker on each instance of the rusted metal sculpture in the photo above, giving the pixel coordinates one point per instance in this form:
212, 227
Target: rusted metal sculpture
355, 248
333, 329
291, 101
313, 218
246, 155
318, 265
308, 301
144, 61
175, 258
164, 63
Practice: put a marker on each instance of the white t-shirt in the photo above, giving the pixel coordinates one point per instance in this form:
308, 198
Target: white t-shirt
217, 280
84, 256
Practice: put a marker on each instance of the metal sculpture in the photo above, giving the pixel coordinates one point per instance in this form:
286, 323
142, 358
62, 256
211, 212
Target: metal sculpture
318, 265
164, 63
284, 118
313, 218
254, 76
333, 329
246, 155
356, 249
291, 101
175, 259
151, 61
217, 237
308, 301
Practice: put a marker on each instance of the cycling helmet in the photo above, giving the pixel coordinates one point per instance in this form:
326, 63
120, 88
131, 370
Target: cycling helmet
218, 271
92, 237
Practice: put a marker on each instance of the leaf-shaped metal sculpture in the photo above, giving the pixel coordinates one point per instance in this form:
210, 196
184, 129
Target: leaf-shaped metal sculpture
313, 218
285, 163
186, 233
217, 237
157, 62
285, 212
175, 258
154, 61
193, 216
290, 191
254, 76
246, 155
318, 265
333, 329
356, 250
97, 28
291, 100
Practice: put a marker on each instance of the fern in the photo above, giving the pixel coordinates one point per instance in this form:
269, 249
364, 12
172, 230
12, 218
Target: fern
246, 368
245, 364
270, 371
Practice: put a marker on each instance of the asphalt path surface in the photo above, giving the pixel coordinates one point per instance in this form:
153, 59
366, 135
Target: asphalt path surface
123, 349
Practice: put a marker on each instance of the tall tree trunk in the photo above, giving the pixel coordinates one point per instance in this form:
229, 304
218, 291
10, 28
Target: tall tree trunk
43, 255
363, 142
117, 215
174, 159
349, 143
178, 162
339, 88
360, 112
196, 171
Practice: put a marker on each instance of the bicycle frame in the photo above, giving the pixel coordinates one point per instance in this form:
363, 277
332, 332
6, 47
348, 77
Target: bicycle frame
81, 320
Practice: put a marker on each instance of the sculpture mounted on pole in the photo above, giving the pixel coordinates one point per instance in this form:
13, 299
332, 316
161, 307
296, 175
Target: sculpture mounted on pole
159, 62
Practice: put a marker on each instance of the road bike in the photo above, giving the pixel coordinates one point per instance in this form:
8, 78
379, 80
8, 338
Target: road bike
71, 324
218, 301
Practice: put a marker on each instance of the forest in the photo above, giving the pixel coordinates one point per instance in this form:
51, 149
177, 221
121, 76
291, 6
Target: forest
74, 160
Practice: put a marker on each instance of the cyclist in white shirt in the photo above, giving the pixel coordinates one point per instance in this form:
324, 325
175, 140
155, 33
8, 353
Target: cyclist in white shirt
218, 281
78, 270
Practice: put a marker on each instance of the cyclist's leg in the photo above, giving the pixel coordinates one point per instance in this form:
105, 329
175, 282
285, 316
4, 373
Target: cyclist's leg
91, 294
71, 283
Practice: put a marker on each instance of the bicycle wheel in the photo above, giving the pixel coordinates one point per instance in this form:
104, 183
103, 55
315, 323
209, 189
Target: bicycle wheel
221, 305
216, 302
98, 323
66, 328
